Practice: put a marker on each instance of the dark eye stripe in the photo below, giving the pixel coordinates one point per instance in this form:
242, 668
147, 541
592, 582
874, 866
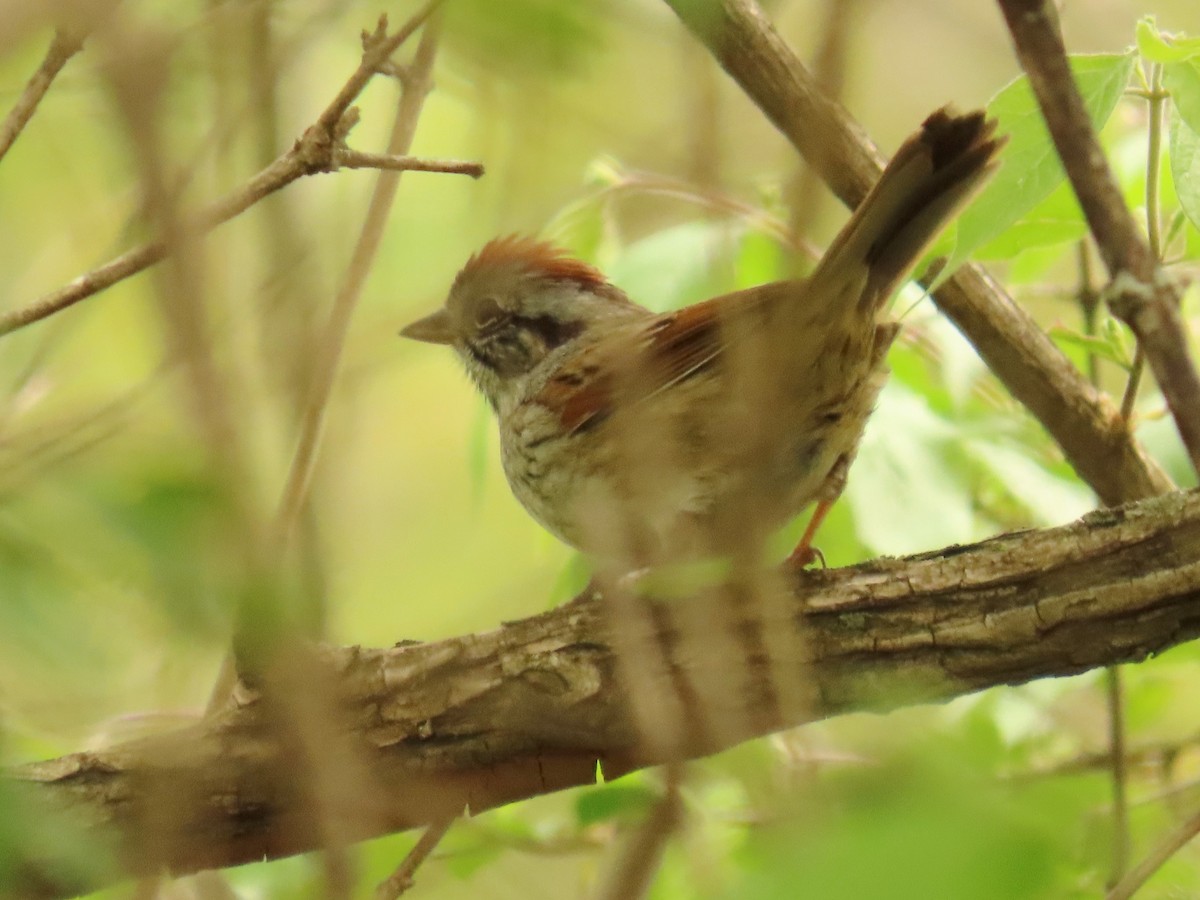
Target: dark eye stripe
553, 332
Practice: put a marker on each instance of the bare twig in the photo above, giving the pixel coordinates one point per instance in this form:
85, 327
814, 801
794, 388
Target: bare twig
308, 157
1164, 850
1119, 770
64, 45
1156, 99
412, 98
1089, 302
634, 869
1140, 293
378, 48
355, 159
402, 879
1134, 382
651, 183
1089, 305
316, 151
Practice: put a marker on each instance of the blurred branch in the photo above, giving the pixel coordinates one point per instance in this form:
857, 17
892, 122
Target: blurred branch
65, 44
1141, 293
535, 705
354, 159
631, 874
401, 880
1158, 856
634, 181
805, 195
1081, 419
321, 148
417, 83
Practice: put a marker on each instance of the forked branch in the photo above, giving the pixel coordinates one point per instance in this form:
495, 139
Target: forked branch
321, 148
1141, 293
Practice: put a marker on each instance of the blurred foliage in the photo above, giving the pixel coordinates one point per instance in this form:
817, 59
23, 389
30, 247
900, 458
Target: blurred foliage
123, 540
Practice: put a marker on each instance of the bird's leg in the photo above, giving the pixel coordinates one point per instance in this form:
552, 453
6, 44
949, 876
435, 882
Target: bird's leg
835, 482
805, 553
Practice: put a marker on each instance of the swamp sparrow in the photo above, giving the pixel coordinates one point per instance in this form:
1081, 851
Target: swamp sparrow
649, 438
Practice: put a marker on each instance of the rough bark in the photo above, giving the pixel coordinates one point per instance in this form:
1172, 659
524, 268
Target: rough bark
420, 731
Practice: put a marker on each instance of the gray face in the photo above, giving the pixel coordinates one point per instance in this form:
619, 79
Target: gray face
510, 320
503, 320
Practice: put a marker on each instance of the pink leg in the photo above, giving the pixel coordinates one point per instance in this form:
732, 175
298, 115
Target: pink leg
805, 553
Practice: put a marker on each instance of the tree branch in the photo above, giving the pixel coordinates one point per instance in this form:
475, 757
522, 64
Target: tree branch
66, 43
1082, 420
1141, 293
534, 706
355, 159
415, 86
321, 148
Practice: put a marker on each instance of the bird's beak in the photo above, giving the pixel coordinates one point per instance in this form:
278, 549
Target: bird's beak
436, 328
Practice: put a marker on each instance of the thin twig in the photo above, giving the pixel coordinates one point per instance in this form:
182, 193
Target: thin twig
296, 163
402, 879
1088, 299
355, 159
1156, 100
651, 183
378, 48
64, 45
1133, 383
636, 865
1142, 872
316, 151
1140, 293
1118, 764
412, 99
1119, 771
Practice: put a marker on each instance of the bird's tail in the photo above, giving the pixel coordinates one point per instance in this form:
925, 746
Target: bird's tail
933, 174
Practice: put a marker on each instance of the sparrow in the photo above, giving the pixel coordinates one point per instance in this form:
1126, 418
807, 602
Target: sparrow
650, 438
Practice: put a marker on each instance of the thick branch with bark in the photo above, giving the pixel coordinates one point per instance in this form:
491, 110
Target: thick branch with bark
534, 706
1085, 424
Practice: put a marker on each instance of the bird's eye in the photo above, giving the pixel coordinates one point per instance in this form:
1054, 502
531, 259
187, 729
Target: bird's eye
489, 316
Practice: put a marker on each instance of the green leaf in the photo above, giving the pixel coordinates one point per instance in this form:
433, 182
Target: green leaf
1031, 168
1055, 220
614, 801
903, 488
465, 861
1029, 233
760, 260
1050, 500
1163, 47
1103, 347
571, 580
526, 37
1184, 145
679, 265
1183, 81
